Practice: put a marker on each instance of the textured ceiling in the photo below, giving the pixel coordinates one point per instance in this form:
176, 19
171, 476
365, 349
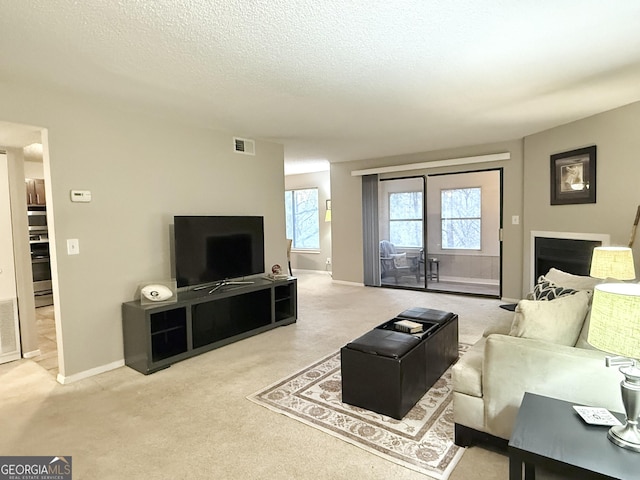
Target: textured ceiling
337, 80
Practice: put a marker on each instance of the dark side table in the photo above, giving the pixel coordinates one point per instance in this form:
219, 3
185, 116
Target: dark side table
433, 269
550, 433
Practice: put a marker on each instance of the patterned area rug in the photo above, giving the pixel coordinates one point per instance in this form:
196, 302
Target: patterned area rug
422, 441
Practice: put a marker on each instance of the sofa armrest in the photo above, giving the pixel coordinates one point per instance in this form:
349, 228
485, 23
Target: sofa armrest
501, 326
513, 366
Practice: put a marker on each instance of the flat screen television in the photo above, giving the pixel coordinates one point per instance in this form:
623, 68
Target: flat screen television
211, 249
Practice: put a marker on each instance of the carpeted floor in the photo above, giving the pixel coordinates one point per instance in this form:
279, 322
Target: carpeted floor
193, 420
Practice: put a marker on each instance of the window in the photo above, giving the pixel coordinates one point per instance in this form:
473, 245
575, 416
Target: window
405, 219
461, 216
303, 225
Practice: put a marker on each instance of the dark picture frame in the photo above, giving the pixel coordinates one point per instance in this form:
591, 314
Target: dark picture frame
573, 176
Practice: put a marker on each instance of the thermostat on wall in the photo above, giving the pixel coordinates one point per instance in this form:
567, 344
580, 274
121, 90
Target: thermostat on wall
80, 195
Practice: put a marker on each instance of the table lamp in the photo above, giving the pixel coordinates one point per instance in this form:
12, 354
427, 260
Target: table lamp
615, 328
327, 215
612, 262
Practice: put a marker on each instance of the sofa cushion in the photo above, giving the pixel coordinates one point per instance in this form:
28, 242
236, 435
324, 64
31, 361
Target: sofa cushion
547, 290
558, 321
568, 280
386, 343
467, 371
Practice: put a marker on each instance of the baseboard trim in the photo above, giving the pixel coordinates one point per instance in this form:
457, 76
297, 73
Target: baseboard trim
310, 271
510, 300
33, 353
344, 282
65, 380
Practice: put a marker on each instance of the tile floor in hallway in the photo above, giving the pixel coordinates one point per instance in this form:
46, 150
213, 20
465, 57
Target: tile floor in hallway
45, 323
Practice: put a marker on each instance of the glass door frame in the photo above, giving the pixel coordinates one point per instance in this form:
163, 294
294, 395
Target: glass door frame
417, 286
500, 170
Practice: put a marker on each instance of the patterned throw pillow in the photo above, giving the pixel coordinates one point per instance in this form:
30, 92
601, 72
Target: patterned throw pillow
547, 290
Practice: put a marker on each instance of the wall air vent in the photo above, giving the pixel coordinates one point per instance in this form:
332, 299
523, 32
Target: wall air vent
244, 145
9, 333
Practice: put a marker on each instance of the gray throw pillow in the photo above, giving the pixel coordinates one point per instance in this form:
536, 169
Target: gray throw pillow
547, 290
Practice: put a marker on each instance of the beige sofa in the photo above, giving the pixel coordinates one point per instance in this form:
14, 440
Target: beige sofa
536, 351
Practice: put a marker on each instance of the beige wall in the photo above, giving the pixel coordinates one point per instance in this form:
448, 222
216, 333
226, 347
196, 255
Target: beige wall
615, 133
33, 169
313, 260
346, 223
347, 207
142, 170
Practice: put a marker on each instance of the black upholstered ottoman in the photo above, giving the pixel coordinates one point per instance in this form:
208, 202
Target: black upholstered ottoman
383, 371
387, 371
441, 347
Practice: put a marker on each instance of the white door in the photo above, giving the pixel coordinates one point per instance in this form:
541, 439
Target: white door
9, 331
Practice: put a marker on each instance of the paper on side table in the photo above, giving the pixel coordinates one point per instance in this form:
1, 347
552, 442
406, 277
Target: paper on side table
596, 416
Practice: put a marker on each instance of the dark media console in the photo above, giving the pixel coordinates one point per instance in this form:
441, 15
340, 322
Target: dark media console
156, 336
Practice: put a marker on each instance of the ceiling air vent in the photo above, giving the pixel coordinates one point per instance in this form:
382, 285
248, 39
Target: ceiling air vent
244, 145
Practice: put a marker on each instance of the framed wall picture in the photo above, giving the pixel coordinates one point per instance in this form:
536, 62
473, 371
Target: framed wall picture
573, 176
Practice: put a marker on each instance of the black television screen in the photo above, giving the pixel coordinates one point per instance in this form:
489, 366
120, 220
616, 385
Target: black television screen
213, 248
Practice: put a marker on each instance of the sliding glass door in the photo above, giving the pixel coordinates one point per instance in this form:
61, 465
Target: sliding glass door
401, 232
463, 224
439, 232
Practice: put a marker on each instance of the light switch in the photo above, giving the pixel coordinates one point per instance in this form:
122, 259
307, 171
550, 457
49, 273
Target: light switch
73, 246
515, 220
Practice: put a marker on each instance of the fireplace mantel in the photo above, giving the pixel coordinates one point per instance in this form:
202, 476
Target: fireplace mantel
603, 238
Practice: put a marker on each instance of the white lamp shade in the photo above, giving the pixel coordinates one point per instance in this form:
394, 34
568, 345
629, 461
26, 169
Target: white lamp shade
612, 262
614, 325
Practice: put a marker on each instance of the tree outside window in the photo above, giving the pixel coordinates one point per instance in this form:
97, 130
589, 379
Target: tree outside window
461, 215
302, 221
405, 219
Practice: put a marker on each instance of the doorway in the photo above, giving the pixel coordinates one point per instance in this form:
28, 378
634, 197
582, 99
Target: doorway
46, 354
40, 338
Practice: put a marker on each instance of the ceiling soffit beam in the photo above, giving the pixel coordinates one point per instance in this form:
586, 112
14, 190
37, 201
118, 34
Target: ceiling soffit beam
494, 157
